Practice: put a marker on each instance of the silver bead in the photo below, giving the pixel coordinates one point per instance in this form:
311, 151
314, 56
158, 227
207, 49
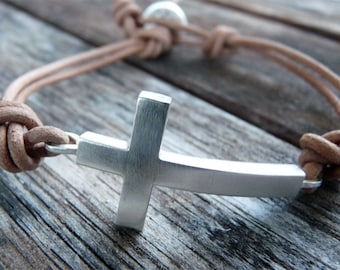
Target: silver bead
165, 10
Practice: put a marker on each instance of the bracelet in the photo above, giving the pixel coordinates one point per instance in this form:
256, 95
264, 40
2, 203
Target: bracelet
24, 140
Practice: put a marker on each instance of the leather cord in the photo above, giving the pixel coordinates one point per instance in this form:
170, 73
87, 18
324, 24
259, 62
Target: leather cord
23, 136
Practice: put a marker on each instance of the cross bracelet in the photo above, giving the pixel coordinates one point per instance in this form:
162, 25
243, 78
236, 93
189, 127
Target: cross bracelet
24, 140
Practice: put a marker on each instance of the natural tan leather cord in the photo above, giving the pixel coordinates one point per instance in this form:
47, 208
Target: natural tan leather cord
64, 66
22, 135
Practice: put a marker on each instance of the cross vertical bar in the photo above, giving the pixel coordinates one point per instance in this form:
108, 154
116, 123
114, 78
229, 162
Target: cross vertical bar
142, 162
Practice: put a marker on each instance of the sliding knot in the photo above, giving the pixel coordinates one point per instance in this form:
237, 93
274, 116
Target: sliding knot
219, 40
156, 37
127, 15
157, 40
18, 145
320, 156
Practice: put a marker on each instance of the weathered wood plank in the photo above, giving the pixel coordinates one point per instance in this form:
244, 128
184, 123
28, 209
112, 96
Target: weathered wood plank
246, 85
65, 212
321, 17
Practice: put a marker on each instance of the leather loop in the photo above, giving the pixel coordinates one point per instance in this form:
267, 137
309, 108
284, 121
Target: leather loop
37, 137
126, 14
11, 111
20, 131
319, 152
14, 118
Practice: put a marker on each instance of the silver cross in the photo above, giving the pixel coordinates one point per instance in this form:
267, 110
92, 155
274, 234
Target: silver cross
143, 165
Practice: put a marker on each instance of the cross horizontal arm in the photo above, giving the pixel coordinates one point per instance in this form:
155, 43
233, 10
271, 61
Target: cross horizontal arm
230, 178
102, 152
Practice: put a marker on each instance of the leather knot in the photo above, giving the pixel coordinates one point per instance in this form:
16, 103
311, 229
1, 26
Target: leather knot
320, 156
20, 146
218, 41
157, 40
126, 14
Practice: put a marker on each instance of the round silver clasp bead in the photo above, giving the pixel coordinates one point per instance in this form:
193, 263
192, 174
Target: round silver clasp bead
165, 10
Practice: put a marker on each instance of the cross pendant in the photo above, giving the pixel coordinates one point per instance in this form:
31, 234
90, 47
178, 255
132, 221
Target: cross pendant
143, 165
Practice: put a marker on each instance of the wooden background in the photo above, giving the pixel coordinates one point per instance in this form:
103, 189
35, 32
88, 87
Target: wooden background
239, 108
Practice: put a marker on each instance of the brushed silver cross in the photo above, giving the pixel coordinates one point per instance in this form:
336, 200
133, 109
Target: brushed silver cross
143, 165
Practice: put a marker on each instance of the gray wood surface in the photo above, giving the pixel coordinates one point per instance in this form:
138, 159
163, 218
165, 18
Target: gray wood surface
61, 215
317, 16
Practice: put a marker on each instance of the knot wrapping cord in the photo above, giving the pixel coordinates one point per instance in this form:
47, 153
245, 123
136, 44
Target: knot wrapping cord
318, 150
157, 40
14, 117
22, 135
219, 41
19, 152
127, 14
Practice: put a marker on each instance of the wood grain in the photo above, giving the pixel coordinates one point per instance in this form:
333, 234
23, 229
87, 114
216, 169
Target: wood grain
246, 85
321, 17
61, 215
